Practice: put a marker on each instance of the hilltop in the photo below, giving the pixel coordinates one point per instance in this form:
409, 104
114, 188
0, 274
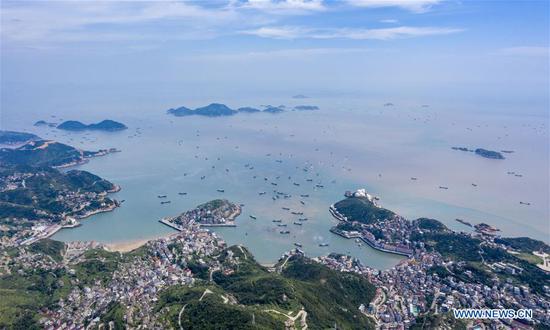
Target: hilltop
12, 138
47, 153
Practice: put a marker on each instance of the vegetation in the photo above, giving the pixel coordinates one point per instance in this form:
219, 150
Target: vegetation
40, 198
105, 125
98, 265
24, 294
461, 247
10, 137
41, 153
430, 224
329, 297
524, 244
362, 210
49, 247
440, 321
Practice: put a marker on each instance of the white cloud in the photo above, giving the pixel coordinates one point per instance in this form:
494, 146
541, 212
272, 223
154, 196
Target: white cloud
526, 51
67, 20
389, 21
294, 32
283, 6
415, 6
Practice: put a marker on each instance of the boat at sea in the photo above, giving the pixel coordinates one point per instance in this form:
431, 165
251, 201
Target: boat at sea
262, 193
166, 202
276, 220
414, 179
296, 184
285, 208
302, 202
220, 190
443, 187
182, 193
252, 217
282, 225
284, 232
297, 213
323, 244
305, 195
297, 223
298, 244
302, 219
161, 196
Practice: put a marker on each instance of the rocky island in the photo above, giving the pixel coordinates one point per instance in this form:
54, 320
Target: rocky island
105, 125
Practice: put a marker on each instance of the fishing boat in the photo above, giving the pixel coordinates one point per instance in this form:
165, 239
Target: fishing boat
252, 217
161, 196
284, 232
297, 223
323, 244
305, 195
182, 193
165, 202
298, 244
220, 190
276, 220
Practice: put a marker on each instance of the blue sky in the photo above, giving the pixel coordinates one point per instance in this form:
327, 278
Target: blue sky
479, 52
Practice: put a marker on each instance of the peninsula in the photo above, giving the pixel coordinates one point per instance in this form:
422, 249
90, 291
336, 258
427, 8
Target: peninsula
16, 138
216, 213
48, 153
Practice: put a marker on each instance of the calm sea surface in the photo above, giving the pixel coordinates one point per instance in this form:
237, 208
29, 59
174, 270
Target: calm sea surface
341, 147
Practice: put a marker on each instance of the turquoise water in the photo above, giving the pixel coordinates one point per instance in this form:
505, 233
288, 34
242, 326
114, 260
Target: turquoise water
342, 149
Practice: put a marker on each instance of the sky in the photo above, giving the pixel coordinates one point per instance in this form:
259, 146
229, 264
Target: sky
490, 56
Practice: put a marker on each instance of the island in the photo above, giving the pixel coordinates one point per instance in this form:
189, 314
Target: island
44, 123
105, 125
16, 138
48, 153
481, 152
489, 153
219, 110
306, 107
216, 213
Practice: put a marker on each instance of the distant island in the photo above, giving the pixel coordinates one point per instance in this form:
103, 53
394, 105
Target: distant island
306, 107
14, 138
220, 110
300, 96
105, 125
48, 153
481, 152
44, 123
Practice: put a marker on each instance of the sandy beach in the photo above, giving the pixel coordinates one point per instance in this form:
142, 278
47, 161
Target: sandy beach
127, 246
